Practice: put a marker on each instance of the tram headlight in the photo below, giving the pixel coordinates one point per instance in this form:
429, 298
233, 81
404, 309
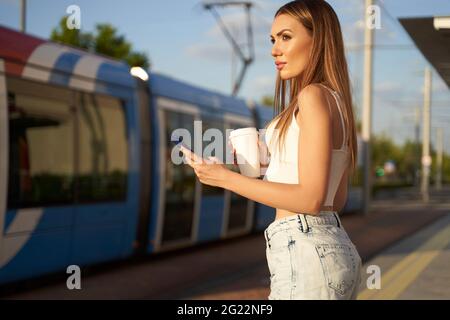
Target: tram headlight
139, 73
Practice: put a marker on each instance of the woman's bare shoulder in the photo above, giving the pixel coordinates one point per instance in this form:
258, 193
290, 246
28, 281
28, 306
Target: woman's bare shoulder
313, 91
313, 103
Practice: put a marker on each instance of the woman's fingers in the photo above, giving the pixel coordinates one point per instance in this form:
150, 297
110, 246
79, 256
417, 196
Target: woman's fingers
192, 158
232, 151
191, 155
231, 146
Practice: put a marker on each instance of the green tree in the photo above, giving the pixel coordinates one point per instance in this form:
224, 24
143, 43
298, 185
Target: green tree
105, 41
72, 37
109, 43
138, 59
407, 159
267, 101
445, 168
384, 149
358, 125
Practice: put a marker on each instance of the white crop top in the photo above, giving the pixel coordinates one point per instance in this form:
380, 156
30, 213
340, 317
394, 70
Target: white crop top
284, 168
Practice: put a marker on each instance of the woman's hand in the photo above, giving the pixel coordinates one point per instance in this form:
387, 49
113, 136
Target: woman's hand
209, 171
260, 145
263, 163
233, 152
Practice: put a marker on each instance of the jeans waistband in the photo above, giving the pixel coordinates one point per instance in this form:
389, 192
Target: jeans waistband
305, 221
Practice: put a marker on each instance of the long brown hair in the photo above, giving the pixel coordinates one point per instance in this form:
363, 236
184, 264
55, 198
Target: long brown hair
327, 64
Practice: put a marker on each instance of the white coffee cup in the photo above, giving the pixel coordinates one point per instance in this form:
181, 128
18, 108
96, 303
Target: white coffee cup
245, 142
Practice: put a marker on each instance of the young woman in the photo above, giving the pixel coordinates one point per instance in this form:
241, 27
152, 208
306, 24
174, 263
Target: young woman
313, 154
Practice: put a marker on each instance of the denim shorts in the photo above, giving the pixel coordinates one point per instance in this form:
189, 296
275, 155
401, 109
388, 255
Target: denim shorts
311, 257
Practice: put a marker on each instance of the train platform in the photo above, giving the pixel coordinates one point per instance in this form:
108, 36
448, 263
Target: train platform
415, 268
237, 269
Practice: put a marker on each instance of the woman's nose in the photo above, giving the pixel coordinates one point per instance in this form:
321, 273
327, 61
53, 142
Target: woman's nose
275, 51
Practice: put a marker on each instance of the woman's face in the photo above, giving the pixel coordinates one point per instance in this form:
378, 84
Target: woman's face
291, 45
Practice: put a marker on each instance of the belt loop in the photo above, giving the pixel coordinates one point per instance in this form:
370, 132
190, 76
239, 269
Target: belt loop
304, 222
300, 221
337, 219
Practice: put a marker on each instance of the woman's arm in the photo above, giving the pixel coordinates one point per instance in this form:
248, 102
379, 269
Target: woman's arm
292, 197
314, 158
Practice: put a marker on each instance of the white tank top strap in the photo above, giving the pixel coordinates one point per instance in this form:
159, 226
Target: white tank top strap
337, 98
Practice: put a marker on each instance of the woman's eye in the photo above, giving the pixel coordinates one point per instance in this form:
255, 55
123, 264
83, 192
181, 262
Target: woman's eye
283, 36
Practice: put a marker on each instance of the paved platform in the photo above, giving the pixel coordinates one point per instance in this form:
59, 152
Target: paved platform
418, 267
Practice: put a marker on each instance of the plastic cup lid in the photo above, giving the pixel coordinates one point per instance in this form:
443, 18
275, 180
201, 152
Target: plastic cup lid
243, 131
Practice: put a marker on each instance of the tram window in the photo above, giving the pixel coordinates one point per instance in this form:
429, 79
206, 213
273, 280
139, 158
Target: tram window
208, 190
238, 211
179, 183
238, 204
103, 149
41, 148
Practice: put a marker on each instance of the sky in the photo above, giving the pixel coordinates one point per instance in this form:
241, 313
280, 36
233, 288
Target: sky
185, 42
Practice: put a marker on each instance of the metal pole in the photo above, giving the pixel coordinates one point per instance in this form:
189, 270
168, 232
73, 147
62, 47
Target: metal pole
23, 15
426, 159
417, 149
233, 68
246, 60
439, 152
367, 110
251, 46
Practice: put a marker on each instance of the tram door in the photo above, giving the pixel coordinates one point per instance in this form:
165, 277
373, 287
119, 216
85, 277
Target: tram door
239, 213
178, 185
212, 198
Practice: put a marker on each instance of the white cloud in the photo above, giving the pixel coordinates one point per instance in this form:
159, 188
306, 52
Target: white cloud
212, 52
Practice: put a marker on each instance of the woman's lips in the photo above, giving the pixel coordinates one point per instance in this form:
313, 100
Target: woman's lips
280, 66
